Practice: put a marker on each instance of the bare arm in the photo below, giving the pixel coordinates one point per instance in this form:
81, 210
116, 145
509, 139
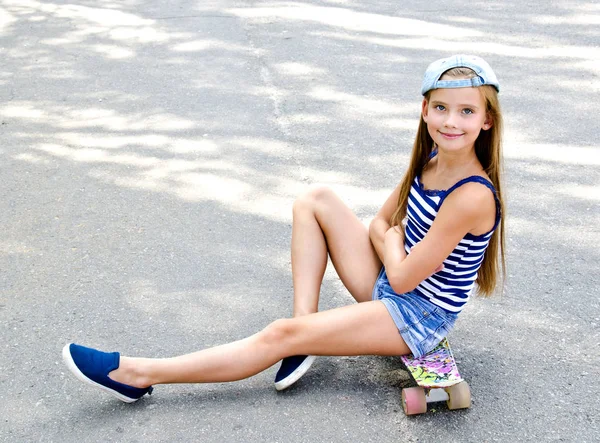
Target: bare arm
467, 209
387, 241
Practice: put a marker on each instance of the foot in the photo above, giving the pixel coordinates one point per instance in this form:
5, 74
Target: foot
292, 368
92, 367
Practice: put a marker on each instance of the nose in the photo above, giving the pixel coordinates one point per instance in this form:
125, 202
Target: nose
450, 121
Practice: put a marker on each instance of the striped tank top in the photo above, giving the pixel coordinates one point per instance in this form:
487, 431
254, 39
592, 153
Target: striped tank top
450, 288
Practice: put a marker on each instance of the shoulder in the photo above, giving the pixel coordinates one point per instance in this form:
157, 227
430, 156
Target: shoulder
472, 197
472, 203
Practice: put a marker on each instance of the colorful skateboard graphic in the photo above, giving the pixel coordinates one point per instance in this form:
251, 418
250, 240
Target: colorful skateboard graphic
438, 379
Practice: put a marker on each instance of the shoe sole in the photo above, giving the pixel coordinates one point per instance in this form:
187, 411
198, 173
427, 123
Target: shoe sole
295, 376
66, 354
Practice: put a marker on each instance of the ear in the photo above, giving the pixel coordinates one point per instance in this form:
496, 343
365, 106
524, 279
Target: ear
424, 109
488, 123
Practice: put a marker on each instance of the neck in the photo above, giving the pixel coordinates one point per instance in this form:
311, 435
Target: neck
449, 163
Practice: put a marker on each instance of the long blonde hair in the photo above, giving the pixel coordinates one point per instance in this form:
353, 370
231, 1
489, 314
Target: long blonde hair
488, 148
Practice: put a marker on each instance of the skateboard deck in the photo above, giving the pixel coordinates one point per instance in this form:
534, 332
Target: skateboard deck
437, 369
438, 379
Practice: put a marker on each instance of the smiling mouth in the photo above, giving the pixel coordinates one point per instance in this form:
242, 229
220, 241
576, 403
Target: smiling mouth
450, 135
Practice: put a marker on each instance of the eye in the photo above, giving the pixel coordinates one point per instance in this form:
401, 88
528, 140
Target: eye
440, 107
468, 111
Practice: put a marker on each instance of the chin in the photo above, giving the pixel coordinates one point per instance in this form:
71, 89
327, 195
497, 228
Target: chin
452, 147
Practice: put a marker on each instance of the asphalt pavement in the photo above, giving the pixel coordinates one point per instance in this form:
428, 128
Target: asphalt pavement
150, 153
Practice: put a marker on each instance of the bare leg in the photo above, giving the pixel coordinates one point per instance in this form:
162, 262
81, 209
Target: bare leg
323, 224
360, 329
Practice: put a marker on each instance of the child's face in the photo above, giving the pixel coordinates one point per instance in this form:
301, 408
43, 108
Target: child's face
455, 117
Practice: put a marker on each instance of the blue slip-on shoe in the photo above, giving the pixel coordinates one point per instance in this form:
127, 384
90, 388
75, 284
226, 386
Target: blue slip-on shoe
92, 367
292, 368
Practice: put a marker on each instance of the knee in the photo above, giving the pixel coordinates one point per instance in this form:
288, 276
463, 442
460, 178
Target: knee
312, 198
279, 333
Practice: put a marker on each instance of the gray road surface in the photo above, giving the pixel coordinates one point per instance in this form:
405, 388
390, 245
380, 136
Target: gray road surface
150, 154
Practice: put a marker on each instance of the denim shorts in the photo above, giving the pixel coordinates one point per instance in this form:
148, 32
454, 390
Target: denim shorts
421, 324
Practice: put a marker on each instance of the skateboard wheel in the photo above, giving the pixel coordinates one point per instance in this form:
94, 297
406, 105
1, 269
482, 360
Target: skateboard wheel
459, 396
414, 401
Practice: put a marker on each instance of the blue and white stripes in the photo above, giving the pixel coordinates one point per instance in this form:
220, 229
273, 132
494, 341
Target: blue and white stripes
450, 288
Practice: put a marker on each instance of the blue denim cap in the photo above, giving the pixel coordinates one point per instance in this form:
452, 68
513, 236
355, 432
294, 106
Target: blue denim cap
485, 74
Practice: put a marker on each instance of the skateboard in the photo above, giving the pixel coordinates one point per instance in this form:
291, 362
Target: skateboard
437, 378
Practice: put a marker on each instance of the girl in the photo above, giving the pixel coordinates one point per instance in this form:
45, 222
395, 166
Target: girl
439, 232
